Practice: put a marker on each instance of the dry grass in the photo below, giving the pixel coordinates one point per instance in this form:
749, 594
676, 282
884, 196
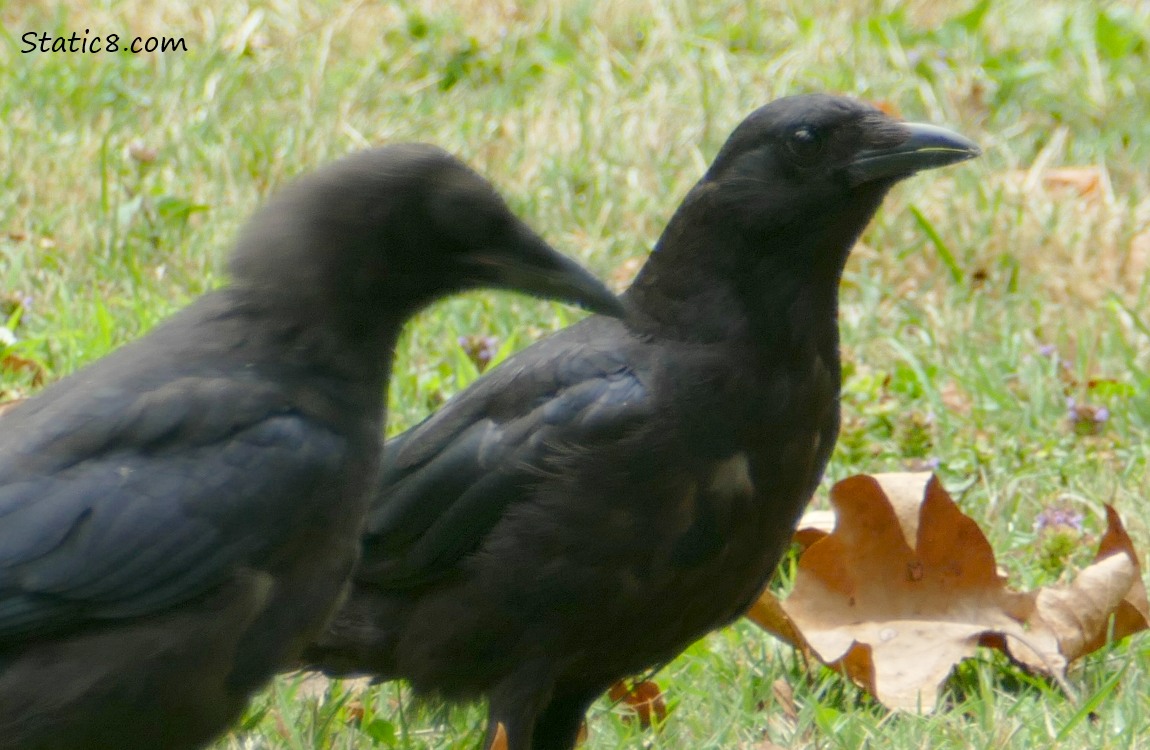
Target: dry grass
595, 118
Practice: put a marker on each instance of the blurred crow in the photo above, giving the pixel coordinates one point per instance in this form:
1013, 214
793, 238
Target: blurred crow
178, 520
602, 499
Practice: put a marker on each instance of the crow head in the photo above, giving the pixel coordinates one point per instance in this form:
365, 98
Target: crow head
775, 216
395, 228
805, 163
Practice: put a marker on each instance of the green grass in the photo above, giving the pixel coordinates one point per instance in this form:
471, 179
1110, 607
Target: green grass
594, 119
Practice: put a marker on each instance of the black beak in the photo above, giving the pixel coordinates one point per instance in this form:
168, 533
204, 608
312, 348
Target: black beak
528, 264
928, 146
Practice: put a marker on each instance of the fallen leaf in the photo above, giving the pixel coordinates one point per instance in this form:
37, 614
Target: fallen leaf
767, 612
1105, 602
6, 405
644, 698
900, 590
354, 712
1133, 613
906, 585
17, 364
813, 526
1082, 180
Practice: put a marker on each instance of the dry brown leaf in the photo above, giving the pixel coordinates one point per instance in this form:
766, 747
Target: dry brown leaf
1068, 617
1105, 602
355, 712
17, 364
767, 612
901, 589
1082, 180
644, 698
813, 526
1133, 613
905, 586
1087, 232
499, 741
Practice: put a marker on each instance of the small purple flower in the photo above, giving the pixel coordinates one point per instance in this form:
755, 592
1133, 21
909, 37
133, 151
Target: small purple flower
933, 463
1086, 419
480, 349
1059, 519
1047, 350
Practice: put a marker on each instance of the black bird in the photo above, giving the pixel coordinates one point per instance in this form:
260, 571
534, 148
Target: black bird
589, 508
178, 520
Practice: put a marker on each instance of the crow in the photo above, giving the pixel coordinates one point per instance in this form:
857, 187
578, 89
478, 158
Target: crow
587, 509
179, 519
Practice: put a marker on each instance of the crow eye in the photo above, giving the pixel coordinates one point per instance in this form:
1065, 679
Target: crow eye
805, 143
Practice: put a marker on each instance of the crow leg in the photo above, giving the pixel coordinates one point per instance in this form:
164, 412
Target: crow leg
515, 704
557, 727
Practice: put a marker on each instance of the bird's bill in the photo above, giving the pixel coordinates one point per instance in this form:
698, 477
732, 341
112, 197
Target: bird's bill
928, 147
528, 264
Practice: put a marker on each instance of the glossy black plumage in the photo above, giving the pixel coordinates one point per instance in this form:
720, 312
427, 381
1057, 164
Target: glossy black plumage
600, 500
178, 519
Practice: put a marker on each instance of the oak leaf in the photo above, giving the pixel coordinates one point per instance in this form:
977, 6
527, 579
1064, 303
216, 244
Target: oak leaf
1105, 602
906, 585
814, 525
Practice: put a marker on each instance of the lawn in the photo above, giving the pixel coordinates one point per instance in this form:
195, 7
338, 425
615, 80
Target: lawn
994, 317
